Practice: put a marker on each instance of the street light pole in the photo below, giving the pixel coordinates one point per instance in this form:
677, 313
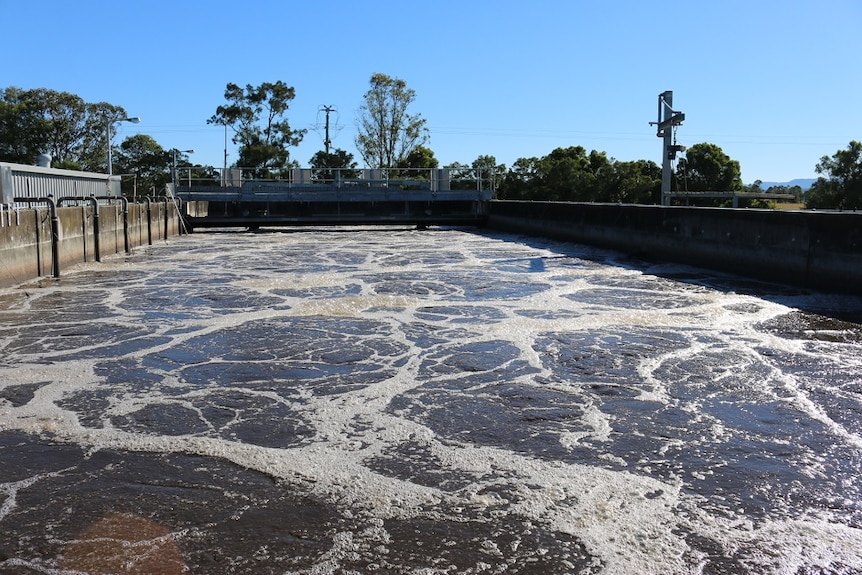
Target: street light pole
108, 123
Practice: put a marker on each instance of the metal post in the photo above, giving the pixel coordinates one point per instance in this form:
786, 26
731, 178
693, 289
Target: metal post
174, 171
97, 231
126, 242
55, 236
108, 140
667, 119
666, 167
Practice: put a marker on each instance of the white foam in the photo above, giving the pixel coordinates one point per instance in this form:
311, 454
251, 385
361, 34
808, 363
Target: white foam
631, 522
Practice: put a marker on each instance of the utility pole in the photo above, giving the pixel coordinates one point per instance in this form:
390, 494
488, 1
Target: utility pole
667, 119
327, 142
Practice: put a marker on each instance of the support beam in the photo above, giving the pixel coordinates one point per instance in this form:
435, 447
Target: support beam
667, 119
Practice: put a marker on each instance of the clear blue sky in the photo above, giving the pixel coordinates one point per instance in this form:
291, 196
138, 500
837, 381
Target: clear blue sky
775, 83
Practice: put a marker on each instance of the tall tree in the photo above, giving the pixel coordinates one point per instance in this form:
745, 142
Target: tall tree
387, 132
102, 119
151, 164
418, 161
637, 182
257, 115
706, 167
522, 181
63, 117
568, 174
325, 167
58, 123
22, 137
489, 172
840, 186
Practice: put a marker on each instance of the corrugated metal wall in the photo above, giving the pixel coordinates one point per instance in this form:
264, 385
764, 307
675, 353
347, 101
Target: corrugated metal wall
20, 181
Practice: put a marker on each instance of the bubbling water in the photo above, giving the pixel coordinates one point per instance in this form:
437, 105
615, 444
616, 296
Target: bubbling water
403, 401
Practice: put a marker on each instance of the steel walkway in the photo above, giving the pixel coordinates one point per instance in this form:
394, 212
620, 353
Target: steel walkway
263, 203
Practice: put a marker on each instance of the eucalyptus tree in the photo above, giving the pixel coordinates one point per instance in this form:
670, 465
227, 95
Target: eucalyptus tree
339, 162
98, 134
489, 171
706, 167
522, 181
387, 132
569, 174
840, 183
483, 172
61, 124
150, 164
635, 182
22, 136
257, 115
417, 161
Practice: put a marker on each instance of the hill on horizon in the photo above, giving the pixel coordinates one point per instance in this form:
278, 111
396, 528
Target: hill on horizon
803, 183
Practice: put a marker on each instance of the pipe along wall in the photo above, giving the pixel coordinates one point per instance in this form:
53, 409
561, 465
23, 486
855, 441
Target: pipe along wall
815, 250
48, 237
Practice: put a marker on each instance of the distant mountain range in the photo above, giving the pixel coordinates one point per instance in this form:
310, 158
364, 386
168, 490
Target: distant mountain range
803, 183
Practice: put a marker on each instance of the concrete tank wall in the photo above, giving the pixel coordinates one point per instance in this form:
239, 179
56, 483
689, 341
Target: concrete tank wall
817, 250
27, 249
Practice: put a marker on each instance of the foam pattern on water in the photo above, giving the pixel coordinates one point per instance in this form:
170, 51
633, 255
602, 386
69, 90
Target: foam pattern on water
401, 401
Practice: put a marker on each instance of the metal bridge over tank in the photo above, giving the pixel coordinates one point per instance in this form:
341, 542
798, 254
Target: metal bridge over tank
413, 197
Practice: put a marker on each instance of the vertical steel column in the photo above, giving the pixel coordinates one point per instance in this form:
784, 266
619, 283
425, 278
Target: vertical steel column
96, 229
666, 107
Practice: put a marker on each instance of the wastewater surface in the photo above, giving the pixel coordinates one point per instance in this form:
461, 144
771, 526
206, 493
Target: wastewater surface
420, 402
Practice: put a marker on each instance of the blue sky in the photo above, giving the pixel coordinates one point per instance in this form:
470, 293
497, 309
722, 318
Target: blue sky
775, 83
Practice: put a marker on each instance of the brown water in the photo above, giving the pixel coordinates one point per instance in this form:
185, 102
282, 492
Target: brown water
401, 401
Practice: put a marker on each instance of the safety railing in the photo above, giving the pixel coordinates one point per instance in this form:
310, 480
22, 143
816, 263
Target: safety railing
434, 179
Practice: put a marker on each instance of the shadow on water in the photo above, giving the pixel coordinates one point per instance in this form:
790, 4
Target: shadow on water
845, 309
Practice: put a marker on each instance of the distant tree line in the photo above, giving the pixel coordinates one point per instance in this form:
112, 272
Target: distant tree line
389, 136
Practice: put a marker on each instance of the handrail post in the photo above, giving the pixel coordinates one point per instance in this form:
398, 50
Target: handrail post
149, 220
96, 229
126, 241
55, 236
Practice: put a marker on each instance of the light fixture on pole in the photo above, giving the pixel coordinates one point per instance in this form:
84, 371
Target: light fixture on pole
108, 123
174, 170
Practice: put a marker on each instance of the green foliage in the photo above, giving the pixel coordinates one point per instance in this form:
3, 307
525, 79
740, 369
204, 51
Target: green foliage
795, 191
61, 124
142, 156
489, 171
324, 165
483, 173
572, 175
566, 174
522, 181
706, 168
637, 182
387, 132
841, 185
261, 130
418, 158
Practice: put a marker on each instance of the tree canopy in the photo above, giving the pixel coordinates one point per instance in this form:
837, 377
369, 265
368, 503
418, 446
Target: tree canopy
257, 115
387, 133
706, 168
840, 185
573, 175
61, 124
390, 136
324, 165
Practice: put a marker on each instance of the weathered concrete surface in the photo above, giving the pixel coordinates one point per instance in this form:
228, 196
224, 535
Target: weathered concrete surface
26, 249
817, 250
